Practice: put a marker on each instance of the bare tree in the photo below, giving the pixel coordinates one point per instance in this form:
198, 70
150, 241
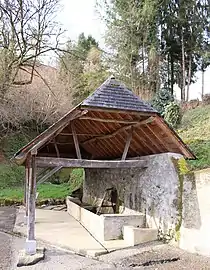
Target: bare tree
28, 29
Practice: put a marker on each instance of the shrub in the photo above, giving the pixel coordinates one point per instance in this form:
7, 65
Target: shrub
172, 114
162, 99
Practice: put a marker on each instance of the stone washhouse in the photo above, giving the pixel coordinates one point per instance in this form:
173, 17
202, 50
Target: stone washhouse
129, 154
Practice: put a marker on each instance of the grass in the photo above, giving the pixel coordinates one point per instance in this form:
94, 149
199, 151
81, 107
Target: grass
11, 184
46, 191
195, 131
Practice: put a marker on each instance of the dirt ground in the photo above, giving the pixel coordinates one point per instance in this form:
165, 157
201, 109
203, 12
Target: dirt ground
154, 256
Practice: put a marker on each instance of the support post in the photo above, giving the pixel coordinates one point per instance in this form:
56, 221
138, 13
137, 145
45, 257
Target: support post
26, 188
76, 143
30, 241
128, 141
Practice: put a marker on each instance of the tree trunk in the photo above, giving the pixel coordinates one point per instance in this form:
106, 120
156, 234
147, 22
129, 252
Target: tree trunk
189, 78
202, 84
183, 68
172, 75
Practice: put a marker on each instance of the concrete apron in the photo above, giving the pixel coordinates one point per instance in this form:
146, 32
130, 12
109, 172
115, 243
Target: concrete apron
59, 229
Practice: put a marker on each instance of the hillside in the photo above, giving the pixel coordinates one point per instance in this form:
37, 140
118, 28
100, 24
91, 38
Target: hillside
195, 131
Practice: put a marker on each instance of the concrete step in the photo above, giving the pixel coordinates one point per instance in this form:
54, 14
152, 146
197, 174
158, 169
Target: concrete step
134, 235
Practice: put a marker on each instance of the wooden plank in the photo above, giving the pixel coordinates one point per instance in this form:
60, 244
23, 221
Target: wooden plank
76, 143
175, 138
49, 174
148, 120
128, 141
104, 110
31, 200
56, 129
80, 134
163, 143
118, 121
85, 163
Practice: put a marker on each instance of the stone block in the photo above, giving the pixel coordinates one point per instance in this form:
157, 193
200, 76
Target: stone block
134, 236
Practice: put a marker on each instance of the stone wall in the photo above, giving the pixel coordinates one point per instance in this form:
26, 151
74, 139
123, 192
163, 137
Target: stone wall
153, 191
195, 229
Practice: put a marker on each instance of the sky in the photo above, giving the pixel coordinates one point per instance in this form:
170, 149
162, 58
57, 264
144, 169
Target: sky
77, 16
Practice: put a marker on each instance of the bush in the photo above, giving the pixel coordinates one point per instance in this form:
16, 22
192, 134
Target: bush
161, 100
172, 114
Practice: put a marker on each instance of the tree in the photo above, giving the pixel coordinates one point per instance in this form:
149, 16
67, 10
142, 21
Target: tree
84, 70
155, 43
27, 31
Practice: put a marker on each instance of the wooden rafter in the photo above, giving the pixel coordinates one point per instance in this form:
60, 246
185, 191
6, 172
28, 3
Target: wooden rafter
149, 120
85, 163
109, 120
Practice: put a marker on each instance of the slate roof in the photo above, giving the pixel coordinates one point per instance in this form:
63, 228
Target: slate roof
112, 94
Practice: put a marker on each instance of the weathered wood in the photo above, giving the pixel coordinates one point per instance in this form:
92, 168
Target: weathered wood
31, 200
26, 186
156, 135
85, 163
174, 137
104, 110
76, 143
57, 128
56, 148
148, 120
47, 175
127, 145
118, 121
79, 134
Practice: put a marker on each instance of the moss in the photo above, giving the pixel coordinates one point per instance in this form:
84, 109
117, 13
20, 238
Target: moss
182, 170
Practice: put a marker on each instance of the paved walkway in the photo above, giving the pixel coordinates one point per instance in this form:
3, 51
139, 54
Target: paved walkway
60, 229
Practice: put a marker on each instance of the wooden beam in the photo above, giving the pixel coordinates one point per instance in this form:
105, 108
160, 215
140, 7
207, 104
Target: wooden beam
56, 148
76, 143
80, 134
49, 174
106, 136
118, 121
103, 110
84, 163
31, 208
55, 129
128, 141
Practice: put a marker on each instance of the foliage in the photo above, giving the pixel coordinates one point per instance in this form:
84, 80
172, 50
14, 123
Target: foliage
194, 130
155, 43
76, 178
172, 114
11, 176
161, 100
84, 70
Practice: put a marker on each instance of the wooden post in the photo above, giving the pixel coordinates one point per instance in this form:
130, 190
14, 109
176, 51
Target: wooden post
26, 187
128, 141
76, 143
30, 241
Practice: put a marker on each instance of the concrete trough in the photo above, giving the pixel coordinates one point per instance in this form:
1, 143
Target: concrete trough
106, 226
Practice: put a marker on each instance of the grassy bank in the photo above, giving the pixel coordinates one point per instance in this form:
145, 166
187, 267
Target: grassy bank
12, 177
195, 131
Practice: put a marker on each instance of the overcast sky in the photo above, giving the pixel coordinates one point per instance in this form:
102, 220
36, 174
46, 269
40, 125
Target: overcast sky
79, 16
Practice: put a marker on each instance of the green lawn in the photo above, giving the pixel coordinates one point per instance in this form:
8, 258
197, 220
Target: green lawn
195, 131
46, 191
11, 184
